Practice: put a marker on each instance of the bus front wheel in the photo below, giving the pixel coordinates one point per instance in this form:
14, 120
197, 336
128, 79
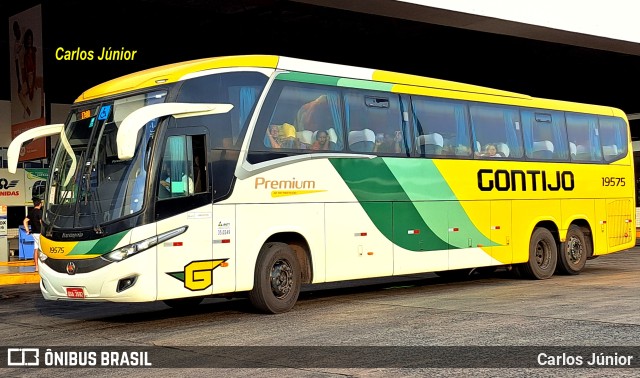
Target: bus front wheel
573, 252
543, 255
277, 280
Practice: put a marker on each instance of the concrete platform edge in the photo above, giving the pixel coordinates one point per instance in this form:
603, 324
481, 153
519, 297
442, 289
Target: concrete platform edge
19, 278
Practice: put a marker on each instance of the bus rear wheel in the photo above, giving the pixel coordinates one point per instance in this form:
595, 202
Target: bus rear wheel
277, 280
543, 255
573, 253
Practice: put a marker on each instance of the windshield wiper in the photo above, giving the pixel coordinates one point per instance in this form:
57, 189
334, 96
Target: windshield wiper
49, 230
95, 197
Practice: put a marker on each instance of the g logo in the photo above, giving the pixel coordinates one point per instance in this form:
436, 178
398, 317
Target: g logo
197, 274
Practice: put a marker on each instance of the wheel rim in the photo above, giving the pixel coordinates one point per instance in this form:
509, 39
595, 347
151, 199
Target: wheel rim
543, 254
281, 278
574, 250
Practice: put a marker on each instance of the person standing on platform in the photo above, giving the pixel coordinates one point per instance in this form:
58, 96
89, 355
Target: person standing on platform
34, 218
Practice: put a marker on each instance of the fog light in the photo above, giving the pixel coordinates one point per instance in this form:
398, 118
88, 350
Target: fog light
126, 283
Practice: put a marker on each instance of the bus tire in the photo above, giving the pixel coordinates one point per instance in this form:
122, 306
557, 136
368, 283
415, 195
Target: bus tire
543, 255
573, 253
277, 279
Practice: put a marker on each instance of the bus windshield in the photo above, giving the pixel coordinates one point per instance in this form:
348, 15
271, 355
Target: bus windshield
89, 184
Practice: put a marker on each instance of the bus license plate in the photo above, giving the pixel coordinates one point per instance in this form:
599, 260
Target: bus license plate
75, 292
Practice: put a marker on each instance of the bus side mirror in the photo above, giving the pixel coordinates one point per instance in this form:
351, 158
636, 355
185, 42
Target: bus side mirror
137, 119
13, 153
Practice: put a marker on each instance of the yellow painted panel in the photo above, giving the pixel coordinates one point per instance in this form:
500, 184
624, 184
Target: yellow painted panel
501, 231
526, 214
173, 72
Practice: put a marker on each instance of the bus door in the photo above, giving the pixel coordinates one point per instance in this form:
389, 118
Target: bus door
184, 211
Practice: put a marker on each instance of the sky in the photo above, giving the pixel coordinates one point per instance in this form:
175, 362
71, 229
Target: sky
617, 19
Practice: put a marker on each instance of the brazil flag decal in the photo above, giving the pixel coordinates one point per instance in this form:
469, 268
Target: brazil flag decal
422, 200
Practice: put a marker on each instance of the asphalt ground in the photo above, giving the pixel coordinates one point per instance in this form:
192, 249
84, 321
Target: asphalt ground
487, 325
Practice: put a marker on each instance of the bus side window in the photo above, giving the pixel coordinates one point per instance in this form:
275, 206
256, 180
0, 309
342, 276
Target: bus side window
613, 135
294, 112
183, 170
499, 127
375, 123
582, 130
441, 127
545, 134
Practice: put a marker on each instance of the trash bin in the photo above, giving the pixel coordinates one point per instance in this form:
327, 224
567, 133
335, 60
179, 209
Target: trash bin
25, 244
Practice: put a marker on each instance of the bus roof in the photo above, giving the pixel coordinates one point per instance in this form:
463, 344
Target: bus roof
174, 72
401, 82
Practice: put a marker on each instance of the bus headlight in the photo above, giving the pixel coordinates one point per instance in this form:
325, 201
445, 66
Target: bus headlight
132, 249
124, 252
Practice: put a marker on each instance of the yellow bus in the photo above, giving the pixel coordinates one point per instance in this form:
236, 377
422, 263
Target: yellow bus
252, 175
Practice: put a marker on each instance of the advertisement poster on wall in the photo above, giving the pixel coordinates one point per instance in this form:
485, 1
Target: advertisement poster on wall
35, 182
12, 188
18, 189
27, 94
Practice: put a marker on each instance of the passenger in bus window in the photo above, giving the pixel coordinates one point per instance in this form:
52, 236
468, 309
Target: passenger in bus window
322, 141
274, 137
165, 177
197, 170
490, 150
283, 136
389, 144
187, 183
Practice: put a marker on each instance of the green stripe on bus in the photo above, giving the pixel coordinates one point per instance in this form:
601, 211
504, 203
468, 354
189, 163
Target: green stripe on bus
365, 84
430, 178
422, 201
331, 80
98, 247
308, 78
384, 187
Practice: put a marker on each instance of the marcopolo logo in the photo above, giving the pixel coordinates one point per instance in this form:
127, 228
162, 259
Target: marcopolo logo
68, 235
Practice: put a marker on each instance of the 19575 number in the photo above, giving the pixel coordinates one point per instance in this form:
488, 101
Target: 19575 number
613, 181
